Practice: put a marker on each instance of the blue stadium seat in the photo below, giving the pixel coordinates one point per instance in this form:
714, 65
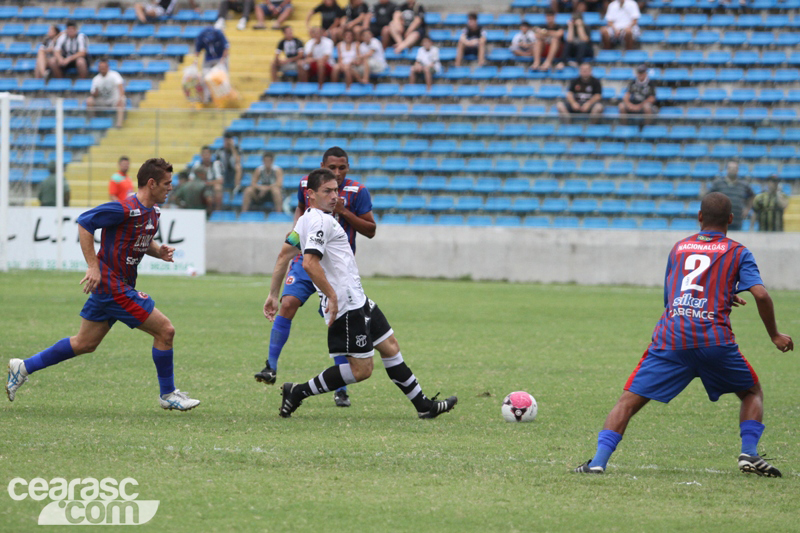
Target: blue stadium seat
439, 203
554, 205
566, 222
450, 220
385, 201
537, 222
544, 186
393, 219
422, 220
404, 183
654, 224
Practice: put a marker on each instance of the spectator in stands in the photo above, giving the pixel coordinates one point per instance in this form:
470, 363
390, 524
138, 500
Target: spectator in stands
382, 16
230, 161
472, 41
348, 54
292, 49
640, 98
548, 43
565, 6
740, 193
622, 17
266, 185
316, 62
190, 193
107, 91
522, 42
44, 52
47, 188
159, 8
371, 57
211, 173
333, 19
768, 207
407, 26
427, 62
120, 185
358, 16
280, 10
583, 94
70, 51
213, 42
245, 7
578, 47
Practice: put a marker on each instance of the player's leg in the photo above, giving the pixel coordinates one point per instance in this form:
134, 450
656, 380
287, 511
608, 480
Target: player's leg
397, 369
163, 332
88, 338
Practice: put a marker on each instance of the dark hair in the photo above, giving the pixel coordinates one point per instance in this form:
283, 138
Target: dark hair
103, 60
550, 13
56, 27
71, 24
284, 28
334, 151
716, 209
361, 33
525, 23
228, 135
123, 158
473, 16
206, 147
155, 169
268, 154
318, 177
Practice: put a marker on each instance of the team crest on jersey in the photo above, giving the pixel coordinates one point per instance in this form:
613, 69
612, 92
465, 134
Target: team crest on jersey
143, 295
290, 280
361, 340
703, 238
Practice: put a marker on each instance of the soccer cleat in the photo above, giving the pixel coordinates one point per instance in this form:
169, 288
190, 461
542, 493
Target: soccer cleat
438, 407
341, 398
288, 403
242, 24
755, 464
177, 400
268, 375
586, 469
17, 376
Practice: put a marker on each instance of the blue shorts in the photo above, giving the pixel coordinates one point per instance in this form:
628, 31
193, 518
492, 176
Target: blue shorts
663, 374
131, 308
297, 283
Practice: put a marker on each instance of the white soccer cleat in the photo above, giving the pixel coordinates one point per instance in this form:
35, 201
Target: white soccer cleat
177, 400
242, 24
17, 376
219, 24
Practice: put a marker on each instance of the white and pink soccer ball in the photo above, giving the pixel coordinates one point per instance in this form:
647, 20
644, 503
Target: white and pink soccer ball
519, 406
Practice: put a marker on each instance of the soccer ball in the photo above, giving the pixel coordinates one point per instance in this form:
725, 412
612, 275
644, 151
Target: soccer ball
519, 406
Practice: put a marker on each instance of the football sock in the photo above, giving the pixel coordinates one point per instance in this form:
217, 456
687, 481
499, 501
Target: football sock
278, 337
341, 360
163, 361
60, 351
750, 431
402, 376
607, 441
330, 379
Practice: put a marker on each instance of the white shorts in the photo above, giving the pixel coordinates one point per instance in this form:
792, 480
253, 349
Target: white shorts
618, 34
106, 102
156, 10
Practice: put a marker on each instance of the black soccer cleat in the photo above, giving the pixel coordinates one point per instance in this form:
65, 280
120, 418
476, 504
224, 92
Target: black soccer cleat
438, 407
755, 464
289, 403
586, 469
341, 398
268, 375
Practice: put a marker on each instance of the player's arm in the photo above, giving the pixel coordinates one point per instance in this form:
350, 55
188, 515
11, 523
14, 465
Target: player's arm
92, 277
102, 216
364, 224
767, 312
314, 270
160, 251
288, 251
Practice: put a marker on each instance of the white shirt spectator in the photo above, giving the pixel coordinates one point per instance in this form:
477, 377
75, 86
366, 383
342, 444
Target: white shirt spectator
347, 56
621, 17
429, 58
525, 40
377, 61
107, 88
319, 49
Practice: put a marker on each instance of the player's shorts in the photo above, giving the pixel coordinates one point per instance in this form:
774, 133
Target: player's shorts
297, 282
357, 332
663, 374
131, 308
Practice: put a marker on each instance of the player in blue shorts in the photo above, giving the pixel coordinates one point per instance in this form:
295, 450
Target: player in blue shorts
694, 338
354, 213
128, 231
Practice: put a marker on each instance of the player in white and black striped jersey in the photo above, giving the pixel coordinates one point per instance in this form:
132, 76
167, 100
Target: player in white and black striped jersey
356, 325
71, 50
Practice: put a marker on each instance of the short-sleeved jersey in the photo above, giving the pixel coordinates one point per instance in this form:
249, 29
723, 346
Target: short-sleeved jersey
704, 272
318, 233
584, 90
213, 41
128, 228
356, 199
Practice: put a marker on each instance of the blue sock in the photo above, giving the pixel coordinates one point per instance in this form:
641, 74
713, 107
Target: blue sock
750, 431
60, 351
163, 361
607, 441
340, 360
278, 337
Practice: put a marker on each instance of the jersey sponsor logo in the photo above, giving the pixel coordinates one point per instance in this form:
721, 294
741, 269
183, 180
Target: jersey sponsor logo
290, 280
702, 247
690, 312
686, 300
361, 340
318, 239
143, 295
135, 213
350, 188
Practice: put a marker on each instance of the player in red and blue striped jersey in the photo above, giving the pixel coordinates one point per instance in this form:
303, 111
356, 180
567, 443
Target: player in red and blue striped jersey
693, 338
127, 235
353, 211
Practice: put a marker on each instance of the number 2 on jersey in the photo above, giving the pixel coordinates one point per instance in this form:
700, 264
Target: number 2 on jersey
698, 264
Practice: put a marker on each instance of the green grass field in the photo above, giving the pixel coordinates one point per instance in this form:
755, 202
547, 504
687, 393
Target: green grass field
233, 465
